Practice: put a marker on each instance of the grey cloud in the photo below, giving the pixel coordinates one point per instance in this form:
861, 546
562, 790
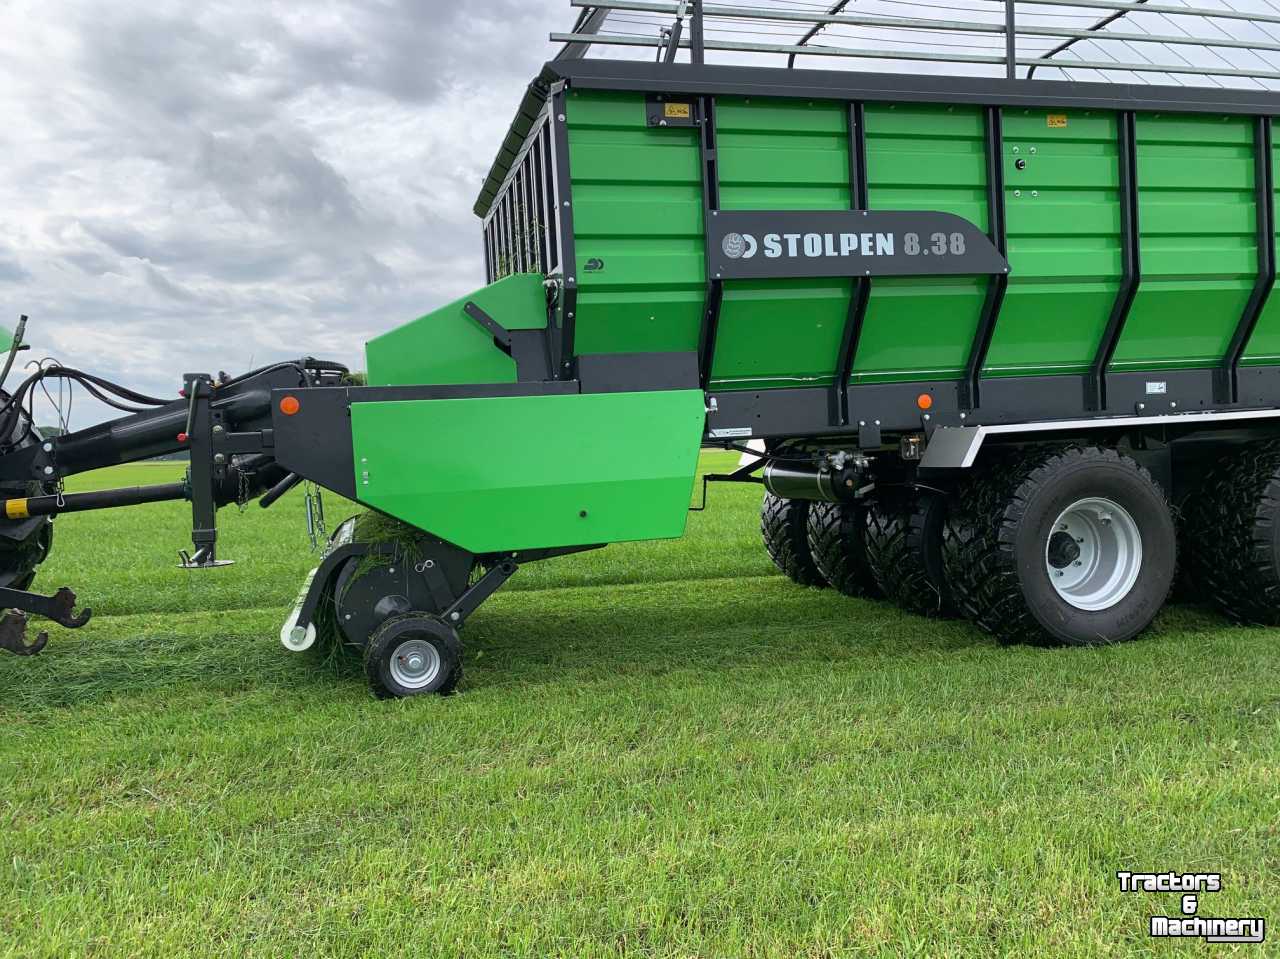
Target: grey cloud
11, 270
199, 187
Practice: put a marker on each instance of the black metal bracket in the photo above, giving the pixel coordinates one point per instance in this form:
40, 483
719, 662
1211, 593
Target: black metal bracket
1227, 388
207, 469
999, 283
1131, 258
474, 597
501, 335
563, 366
527, 347
743, 474
331, 563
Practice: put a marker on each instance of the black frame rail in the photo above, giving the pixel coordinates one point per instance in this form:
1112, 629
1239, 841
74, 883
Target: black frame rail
999, 284
1131, 262
860, 296
1228, 385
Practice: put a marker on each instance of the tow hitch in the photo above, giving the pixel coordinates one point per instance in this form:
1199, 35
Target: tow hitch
60, 607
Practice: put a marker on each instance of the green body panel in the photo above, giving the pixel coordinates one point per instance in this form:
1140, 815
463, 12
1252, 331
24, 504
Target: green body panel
923, 158
781, 155
1198, 229
1264, 345
447, 347
497, 474
637, 207
1062, 211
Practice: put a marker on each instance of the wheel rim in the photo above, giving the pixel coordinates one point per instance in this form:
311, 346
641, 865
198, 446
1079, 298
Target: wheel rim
415, 664
1094, 554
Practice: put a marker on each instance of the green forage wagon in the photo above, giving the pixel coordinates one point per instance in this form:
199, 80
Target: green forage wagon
993, 326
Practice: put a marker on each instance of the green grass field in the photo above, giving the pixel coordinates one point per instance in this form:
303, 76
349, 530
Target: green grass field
658, 750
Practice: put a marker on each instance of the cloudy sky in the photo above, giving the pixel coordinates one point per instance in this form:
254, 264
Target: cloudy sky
205, 186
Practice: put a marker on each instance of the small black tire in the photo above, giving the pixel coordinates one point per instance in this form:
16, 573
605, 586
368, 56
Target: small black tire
1000, 547
904, 545
837, 542
784, 525
1231, 528
413, 655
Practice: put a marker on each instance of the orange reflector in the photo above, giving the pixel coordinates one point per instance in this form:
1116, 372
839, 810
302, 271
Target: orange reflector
924, 401
290, 405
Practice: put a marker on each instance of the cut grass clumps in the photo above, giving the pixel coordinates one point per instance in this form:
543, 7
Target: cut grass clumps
393, 542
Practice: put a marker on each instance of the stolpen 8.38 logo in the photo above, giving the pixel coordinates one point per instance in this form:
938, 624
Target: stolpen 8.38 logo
1191, 886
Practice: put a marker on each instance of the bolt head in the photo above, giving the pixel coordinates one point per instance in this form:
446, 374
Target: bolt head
48, 471
48, 447
455, 616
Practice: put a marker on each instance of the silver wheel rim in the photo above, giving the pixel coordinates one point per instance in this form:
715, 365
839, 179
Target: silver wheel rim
1094, 554
415, 664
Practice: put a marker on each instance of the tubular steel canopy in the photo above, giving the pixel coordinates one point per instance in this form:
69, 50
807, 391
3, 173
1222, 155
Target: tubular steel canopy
1227, 43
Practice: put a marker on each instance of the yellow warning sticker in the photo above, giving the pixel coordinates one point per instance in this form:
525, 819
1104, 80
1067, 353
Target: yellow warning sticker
16, 509
678, 111
1057, 121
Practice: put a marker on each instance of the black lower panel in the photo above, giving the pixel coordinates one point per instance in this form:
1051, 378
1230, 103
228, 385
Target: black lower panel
899, 407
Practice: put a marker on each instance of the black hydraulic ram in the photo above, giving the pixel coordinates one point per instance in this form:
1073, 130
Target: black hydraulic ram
823, 482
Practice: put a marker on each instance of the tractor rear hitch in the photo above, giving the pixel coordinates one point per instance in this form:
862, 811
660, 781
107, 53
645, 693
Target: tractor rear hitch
60, 607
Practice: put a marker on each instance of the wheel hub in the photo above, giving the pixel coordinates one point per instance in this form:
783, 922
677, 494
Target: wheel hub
1094, 554
415, 663
1063, 550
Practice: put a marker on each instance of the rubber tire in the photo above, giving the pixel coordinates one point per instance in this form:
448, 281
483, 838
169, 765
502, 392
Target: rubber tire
784, 525
19, 560
904, 545
995, 541
390, 635
837, 542
1232, 528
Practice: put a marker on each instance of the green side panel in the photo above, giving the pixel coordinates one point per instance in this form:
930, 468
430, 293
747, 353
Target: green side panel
781, 155
497, 474
447, 347
637, 204
923, 158
1264, 345
1198, 230
1065, 244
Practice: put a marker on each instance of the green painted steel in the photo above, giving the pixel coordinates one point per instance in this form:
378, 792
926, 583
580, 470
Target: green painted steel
447, 347
1197, 216
1264, 345
637, 205
781, 155
1062, 210
500, 474
923, 158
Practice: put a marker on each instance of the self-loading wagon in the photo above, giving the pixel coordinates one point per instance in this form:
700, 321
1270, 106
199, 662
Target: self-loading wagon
983, 295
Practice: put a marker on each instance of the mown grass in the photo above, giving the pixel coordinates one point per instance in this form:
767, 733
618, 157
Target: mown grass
658, 750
